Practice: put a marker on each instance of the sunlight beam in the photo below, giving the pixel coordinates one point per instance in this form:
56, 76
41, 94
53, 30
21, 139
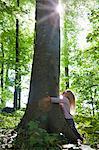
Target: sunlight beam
59, 9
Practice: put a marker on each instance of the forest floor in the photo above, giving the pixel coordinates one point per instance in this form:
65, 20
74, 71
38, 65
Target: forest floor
7, 137
8, 123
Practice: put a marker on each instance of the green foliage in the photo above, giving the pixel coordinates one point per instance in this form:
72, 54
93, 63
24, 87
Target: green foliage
94, 19
83, 67
8, 14
36, 138
10, 120
38, 135
6, 97
84, 81
69, 40
89, 127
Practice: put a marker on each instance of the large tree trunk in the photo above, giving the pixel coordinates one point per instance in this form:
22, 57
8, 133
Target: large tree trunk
46, 63
45, 71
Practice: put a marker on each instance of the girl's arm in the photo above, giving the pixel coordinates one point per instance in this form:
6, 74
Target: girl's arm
55, 99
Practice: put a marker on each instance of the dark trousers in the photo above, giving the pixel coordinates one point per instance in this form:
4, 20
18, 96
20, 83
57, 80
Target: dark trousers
72, 126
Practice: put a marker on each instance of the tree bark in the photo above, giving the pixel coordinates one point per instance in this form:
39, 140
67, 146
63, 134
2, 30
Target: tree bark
2, 76
17, 92
67, 75
45, 71
46, 63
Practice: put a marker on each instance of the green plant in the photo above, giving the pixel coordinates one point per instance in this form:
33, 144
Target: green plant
10, 120
35, 137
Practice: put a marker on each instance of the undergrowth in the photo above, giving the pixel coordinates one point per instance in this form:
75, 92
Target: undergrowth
36, 138
10, 120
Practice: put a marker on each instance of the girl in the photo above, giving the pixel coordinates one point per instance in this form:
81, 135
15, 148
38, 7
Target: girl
67, 103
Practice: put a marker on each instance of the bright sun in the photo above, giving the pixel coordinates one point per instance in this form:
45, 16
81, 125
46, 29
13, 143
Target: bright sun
59, 8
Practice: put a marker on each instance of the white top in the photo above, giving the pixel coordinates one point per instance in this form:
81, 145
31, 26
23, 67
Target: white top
65, 104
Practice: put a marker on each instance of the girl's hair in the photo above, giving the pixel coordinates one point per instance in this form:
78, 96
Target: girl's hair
71, 98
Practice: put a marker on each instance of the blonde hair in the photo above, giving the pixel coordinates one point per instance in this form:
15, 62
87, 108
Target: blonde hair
71, 98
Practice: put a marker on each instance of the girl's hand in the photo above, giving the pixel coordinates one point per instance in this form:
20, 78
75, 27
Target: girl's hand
49, 98
45, 103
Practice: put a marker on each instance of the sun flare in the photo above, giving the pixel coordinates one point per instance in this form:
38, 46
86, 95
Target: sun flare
59, 8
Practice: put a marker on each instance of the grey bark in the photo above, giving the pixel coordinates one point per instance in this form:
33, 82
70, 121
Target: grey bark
45, 69
45, 72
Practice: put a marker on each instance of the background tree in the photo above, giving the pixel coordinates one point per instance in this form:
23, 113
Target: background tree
82, 66
86, 79
4, 34
8, 29
2, 74
68, 42
17, 92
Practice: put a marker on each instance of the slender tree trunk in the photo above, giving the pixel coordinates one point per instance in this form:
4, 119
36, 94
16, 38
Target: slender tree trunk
16, 66
96, 102
6, 75
66, 53
2, 75
67, 75
92, 102
17, 92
